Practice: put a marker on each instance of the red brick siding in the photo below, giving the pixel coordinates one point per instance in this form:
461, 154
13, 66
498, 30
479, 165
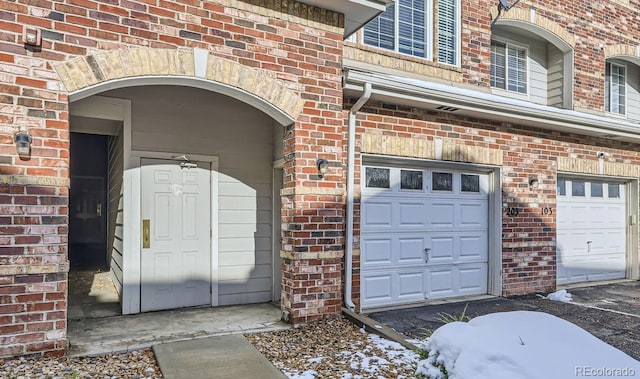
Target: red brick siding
528, 240
306, 58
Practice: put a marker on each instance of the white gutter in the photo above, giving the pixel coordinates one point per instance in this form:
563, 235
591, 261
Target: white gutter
351, 157
477, 103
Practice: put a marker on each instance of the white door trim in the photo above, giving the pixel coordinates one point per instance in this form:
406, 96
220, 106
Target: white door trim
632, 215
276, 239
136, 157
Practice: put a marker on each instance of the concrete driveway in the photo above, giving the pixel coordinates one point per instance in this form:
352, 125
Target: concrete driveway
611, 312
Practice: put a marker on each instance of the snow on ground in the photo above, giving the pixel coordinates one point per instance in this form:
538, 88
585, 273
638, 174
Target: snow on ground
374, 359
522, 345
560, 295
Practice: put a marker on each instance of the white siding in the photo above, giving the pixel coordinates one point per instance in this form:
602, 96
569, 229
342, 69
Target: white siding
191, 121
633, 93
115, 207
555, 79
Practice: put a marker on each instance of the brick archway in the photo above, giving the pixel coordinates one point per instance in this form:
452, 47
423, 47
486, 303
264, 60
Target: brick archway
88, 75
543, 26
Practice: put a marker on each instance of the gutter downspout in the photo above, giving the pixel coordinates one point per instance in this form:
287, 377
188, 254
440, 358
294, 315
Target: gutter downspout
351, 157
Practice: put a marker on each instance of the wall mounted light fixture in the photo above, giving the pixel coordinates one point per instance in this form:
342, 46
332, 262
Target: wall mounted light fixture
323, 166
534, 183
31, 36
23, 140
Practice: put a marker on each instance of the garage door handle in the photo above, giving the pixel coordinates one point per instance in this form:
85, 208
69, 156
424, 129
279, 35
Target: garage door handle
426, 255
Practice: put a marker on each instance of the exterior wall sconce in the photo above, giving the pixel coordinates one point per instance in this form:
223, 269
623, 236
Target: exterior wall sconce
534, 183
323, 166
31, 36
23, 140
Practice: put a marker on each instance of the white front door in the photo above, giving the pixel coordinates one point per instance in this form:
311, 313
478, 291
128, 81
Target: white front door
176, 234
424, 234
591, 228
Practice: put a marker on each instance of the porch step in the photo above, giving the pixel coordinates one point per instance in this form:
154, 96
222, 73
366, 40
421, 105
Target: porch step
132, 332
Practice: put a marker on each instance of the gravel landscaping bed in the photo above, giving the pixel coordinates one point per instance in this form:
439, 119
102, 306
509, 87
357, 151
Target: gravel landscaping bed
328, 349
334, 349
134, 365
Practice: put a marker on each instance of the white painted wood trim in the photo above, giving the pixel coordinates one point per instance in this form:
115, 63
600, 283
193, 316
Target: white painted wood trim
633, 259
495, 233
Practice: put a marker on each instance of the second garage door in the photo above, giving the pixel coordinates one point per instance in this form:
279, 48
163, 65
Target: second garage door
591, 231
424, 234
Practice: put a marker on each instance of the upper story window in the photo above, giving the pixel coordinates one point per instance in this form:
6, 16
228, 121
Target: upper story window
529, 64
509, 67
615, 88
407, 27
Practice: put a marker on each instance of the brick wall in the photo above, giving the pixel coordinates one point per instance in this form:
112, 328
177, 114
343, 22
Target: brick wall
298, 45
528, 240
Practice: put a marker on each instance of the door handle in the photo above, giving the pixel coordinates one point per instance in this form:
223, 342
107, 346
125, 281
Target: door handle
426, 255
146, 234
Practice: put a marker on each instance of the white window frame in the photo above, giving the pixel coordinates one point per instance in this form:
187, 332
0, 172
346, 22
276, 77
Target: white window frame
458, 35
506, 90
429, 31
608, 99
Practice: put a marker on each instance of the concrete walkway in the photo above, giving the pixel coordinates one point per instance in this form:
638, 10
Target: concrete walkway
223, 357
132, 332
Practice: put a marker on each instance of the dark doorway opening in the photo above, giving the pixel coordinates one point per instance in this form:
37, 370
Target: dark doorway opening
88, 202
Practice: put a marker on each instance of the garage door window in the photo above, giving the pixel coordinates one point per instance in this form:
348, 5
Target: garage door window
377, 177
410, 180
470, 183
596, 189
562, 187
577, 188
614, 191
442, 181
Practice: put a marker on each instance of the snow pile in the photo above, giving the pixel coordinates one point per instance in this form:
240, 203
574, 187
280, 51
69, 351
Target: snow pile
522, 345
560, 295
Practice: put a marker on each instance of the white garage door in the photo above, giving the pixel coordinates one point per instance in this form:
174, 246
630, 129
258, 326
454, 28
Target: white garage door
424, 234
590, 231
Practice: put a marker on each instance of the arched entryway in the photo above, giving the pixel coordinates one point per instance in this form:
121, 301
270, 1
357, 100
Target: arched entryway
192, 142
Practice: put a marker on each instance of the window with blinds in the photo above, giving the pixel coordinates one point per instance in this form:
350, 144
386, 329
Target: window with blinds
448, 31
509, 67
615, 88
407, 27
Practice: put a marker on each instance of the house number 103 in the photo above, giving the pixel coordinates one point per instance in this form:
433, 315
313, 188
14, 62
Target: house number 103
546, 211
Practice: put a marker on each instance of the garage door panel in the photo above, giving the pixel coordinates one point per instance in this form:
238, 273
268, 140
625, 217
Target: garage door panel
377, 214
473, 278
442, 249
411, 250
591, 236
412, 214
376, 288
442, 215
378, 251
440, 282
473, 215
474, 247
411, 286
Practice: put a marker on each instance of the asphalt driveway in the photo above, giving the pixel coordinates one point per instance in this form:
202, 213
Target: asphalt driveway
611, 312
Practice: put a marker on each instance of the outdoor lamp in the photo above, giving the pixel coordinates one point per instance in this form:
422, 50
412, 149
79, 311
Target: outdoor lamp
534, 183
323, 166
23, 140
